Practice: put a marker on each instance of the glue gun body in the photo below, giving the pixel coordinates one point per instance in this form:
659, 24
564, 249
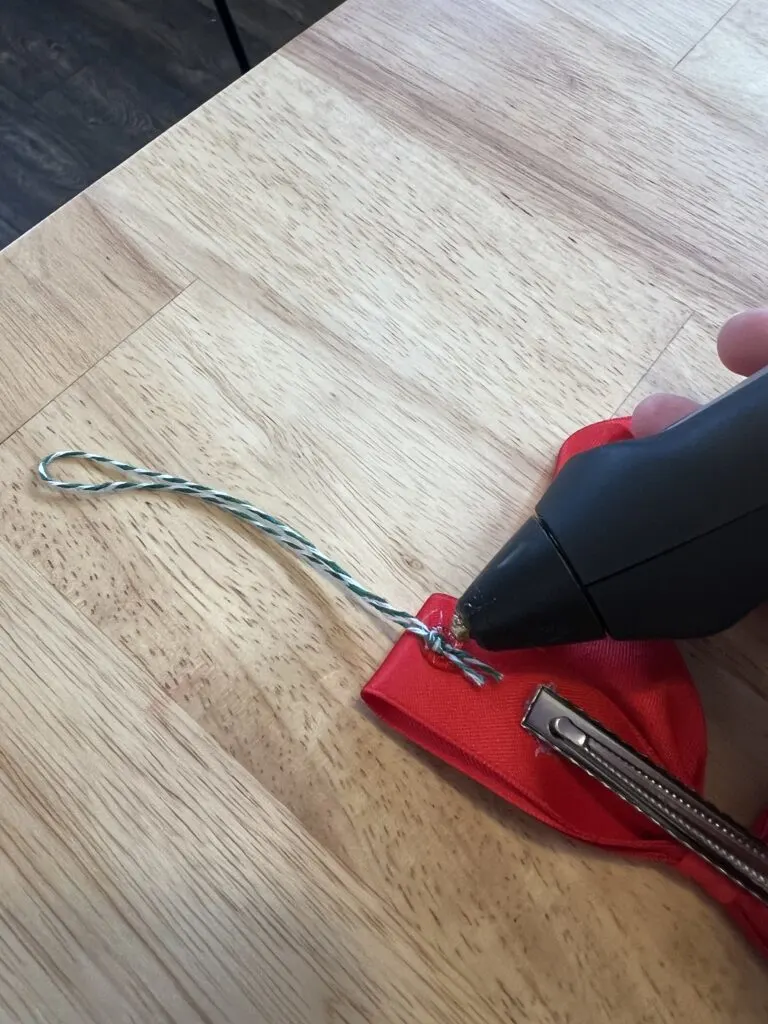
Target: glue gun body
657, 537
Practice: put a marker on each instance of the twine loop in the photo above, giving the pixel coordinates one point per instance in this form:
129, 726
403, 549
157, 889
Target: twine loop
139, 478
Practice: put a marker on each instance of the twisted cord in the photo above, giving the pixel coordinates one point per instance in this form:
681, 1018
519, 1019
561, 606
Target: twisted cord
152, 480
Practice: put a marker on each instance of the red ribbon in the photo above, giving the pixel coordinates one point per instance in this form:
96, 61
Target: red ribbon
642, 692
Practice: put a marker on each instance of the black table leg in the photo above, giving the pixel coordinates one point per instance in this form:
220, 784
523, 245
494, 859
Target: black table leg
233, 36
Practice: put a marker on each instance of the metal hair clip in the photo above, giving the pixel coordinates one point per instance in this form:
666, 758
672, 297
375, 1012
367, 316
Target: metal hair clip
649, 789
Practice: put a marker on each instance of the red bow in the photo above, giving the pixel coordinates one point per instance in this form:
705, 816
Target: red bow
642, 692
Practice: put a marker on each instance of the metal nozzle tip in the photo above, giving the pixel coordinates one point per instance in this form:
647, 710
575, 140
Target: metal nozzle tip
459, 627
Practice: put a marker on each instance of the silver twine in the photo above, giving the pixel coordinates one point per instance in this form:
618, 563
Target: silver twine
478, 672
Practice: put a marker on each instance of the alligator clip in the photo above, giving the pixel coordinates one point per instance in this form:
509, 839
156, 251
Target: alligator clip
679, 811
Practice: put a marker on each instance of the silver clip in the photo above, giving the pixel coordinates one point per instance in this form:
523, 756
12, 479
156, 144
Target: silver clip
679, 811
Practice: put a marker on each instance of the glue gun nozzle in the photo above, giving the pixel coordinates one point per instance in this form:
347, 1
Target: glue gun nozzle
459, 627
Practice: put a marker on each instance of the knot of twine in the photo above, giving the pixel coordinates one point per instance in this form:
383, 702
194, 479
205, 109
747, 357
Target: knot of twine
434, 639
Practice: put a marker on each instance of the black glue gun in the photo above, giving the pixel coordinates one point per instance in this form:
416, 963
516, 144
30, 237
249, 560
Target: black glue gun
664, 536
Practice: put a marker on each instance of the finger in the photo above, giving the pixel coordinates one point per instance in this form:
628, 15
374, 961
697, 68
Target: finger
743, 348
660, 411
743, 342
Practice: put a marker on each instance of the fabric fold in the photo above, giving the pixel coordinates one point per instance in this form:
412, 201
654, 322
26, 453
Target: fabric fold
642, 692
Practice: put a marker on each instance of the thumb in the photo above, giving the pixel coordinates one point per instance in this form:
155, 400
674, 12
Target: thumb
660, 411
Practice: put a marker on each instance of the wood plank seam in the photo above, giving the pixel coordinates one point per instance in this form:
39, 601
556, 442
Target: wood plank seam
653, 365
96, 362
698, 42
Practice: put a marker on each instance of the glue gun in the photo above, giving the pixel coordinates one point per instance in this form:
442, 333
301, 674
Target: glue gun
662, 536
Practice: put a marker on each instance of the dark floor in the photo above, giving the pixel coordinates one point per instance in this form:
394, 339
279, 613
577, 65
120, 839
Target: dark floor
85, 83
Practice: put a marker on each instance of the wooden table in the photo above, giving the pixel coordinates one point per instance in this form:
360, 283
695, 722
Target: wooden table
371, 286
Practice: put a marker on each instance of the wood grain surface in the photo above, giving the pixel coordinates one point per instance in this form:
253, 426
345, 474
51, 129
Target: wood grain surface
371, 286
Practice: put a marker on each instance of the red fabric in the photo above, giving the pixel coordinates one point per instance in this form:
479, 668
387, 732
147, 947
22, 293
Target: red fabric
642, 692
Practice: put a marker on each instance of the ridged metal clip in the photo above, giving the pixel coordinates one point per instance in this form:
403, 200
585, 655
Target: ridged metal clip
679, 811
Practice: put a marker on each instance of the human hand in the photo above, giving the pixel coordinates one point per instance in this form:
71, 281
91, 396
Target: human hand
743, 348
